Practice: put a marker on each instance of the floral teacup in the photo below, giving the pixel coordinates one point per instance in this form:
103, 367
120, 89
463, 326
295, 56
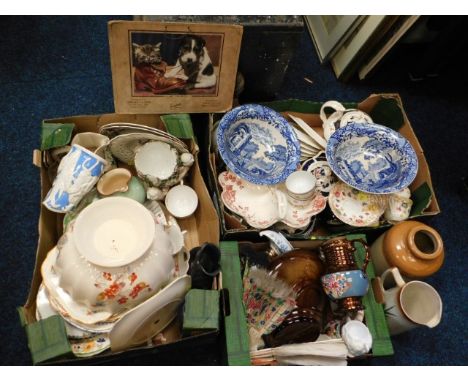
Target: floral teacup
340, 285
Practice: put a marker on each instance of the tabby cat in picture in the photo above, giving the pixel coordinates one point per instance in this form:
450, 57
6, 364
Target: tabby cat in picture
150, 69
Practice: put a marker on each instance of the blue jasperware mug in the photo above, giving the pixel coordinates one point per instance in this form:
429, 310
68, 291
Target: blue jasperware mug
77, 173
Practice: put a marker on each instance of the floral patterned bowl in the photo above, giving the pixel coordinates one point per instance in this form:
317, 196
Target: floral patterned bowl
340, 285
110, 291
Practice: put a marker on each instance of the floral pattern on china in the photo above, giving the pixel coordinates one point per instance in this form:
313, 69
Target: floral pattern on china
263, 206
355, 207
258, 205
300, 216
336, 284
372, 158
258, 144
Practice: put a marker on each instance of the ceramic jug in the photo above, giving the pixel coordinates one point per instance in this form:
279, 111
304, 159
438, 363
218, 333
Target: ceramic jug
408, 305
344, 282
414, 248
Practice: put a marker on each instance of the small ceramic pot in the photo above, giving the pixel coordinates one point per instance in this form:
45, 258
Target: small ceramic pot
340, 285
408, 305
181, 201
414, 248
300, 186
77, 173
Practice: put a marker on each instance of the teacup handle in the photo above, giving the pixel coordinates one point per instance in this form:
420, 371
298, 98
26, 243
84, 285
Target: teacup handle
396, 276
282, 204
366, 247
335, 105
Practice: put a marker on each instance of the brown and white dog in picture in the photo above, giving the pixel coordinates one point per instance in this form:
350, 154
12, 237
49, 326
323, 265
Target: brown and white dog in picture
194, 64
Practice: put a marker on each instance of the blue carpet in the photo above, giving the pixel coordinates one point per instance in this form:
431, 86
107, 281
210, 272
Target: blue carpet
59, 66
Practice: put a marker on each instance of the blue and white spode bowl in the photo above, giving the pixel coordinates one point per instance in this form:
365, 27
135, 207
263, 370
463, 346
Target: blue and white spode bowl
372, 158
258, 144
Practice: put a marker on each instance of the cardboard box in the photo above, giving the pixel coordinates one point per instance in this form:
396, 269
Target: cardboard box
46, 337
236, 332
385, 109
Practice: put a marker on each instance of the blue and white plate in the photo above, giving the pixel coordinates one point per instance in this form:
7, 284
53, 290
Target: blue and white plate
372, 158
258, 144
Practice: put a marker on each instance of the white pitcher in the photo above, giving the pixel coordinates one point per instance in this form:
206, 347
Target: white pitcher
409, 304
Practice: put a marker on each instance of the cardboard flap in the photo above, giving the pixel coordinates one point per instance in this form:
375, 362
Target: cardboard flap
237, 337
201, 310
55, 134
374, 313
47, 339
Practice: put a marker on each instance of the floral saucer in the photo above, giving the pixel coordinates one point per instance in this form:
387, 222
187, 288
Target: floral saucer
88, 347
299, 216
355, 207
257, 204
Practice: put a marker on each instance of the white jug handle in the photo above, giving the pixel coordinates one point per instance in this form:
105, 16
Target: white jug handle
282, 204
335, 105
396, 276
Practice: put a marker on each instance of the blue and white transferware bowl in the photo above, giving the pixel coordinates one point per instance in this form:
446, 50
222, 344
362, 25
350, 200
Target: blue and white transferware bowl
258, 144
372, 158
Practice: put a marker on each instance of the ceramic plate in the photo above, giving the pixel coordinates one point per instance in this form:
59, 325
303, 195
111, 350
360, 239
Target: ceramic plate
258, 144
44, 309
372, 158
354, 207
150, 317
113, 129
89, 347
324, 177
123, 146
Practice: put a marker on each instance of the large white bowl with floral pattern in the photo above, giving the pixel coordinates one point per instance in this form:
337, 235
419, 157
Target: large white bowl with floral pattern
107, 291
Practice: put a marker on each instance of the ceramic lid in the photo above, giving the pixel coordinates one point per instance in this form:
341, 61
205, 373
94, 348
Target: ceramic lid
415, 248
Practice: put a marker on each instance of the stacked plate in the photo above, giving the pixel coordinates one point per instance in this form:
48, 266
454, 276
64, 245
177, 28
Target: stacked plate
97, 320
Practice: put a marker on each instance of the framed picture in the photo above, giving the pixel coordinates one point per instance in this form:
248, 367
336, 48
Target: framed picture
173, 67
356, 42
330, 32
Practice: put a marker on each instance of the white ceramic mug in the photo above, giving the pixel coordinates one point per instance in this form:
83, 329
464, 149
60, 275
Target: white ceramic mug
300, 186
409, 305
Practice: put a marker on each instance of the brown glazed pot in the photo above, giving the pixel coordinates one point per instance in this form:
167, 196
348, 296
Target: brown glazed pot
414, 248
301, 269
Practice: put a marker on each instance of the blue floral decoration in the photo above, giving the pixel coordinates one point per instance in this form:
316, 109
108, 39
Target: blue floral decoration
258, 144
372, 158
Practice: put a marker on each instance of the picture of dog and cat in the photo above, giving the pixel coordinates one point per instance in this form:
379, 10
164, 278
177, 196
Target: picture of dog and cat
173, 63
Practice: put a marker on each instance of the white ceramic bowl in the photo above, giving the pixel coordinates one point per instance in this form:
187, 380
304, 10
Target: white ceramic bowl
181, 201
114, 232
112, 289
